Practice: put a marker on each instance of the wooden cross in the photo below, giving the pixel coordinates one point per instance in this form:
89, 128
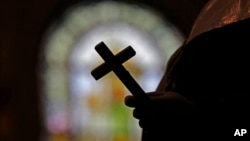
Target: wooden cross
114, 63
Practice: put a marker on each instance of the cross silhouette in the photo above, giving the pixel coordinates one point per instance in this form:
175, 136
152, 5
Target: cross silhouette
114, 63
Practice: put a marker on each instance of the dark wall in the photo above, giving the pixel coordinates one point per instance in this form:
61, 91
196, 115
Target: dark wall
22, 24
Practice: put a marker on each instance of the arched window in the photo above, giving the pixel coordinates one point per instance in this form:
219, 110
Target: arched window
76, 107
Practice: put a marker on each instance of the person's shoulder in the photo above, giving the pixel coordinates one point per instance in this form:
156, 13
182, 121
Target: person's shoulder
233, 31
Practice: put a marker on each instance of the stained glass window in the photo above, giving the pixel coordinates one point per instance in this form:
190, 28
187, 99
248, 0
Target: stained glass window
78, 108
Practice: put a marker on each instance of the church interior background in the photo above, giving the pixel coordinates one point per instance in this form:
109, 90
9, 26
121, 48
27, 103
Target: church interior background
47, 52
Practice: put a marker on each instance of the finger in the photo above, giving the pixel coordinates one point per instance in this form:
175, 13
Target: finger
138, 113
147, 123
130, 101
142, 124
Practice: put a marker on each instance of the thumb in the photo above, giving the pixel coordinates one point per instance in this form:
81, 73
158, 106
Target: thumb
130, 101
167, 97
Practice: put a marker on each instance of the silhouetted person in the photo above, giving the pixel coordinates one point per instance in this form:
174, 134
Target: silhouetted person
205, 90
